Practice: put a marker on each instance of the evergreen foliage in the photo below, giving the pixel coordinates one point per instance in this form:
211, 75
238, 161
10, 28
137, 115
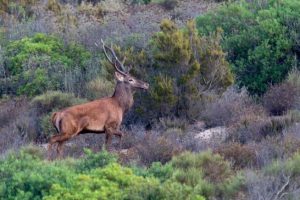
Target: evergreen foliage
261, 38
186, 65
34, 65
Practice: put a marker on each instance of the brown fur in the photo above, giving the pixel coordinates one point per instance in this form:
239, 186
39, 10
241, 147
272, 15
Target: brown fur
100, 116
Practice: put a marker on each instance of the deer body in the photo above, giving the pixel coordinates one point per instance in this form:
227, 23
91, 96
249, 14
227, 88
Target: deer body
94, 116
100, 116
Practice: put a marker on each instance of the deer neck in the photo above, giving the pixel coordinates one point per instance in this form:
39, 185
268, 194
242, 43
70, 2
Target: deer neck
124, 96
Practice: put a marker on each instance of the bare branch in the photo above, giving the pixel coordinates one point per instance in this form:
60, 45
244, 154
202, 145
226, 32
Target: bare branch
285, 185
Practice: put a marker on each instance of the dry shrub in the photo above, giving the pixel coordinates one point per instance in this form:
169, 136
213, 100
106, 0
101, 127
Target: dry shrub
259, 127
280, 147
8, 111
54, 6
279, 98
17, 124
94, 12
241, 156
112, 5
154, 148
262, 186
170, 123
294, 79
277, 124
232, 108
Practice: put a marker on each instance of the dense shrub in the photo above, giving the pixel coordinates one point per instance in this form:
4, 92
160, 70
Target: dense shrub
260, 39
214, 168
91, 11
36, 64
279, 179
94, 160
209, 173
185, 65
257, 128
293, 79
280, 98
233, 107
19, 9
17, 124
169, 4
154, 148
25, 176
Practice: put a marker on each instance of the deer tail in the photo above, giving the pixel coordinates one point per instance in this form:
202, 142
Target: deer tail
56, 121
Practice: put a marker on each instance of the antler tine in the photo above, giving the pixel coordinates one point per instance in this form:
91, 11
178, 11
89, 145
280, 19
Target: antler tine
104, 49
123, 61
117, 61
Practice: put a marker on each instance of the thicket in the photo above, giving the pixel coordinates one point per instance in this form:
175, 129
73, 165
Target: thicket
26, 175
19, 9
184, 67
261, 39
40, 63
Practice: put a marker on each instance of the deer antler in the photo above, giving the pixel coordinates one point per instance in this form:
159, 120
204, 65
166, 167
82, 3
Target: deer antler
117, 62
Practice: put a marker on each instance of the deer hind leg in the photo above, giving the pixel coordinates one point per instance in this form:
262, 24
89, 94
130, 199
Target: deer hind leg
73, 131
120, 135
52, 141
60, 140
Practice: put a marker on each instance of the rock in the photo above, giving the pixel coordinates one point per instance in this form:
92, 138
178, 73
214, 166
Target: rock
216, 134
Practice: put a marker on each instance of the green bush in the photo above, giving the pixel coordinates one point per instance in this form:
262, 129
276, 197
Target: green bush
214, 168
25, 175
209, 174
185, 65
162, 172
94, 160
54, 100
40, 63
110, 182
260, 39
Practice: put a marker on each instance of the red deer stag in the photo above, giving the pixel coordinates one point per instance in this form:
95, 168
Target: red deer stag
100, 116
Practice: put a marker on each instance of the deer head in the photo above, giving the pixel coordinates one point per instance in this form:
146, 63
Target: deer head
122, 75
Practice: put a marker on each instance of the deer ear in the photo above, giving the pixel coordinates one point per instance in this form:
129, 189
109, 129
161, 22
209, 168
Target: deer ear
119, 76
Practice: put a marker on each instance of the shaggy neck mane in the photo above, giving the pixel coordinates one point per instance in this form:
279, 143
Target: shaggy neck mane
124, 95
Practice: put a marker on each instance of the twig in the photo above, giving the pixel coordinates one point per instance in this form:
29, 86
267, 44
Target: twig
282, 188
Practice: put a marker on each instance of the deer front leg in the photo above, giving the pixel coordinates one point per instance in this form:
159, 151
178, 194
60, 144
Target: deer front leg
109, 133
107, 141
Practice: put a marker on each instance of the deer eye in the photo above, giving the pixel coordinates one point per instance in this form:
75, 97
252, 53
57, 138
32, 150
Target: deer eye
130, 80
